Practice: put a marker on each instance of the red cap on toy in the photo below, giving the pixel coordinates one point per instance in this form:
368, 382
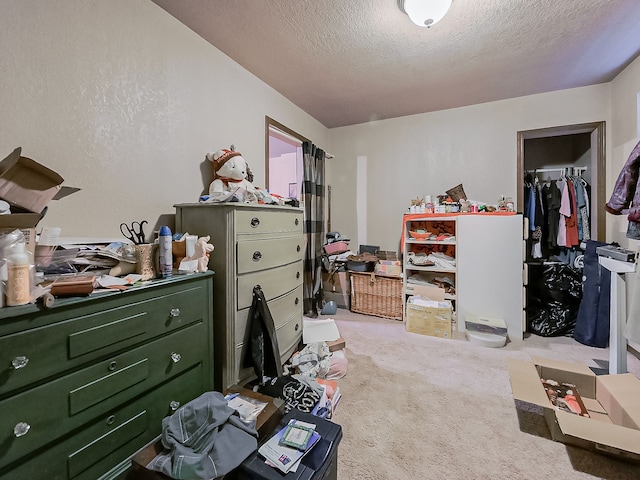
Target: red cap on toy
221, 157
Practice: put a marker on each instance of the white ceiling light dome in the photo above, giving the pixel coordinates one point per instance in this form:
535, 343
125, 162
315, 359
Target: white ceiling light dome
425, 13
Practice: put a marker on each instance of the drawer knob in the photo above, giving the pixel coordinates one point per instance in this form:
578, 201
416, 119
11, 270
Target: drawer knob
175, 312
297, 275
175, 357
255, 221
174, 405
112, 365
111, 419
297, 300
21, 429
257, 256
19, 362
297, 222
298, 248
297, 327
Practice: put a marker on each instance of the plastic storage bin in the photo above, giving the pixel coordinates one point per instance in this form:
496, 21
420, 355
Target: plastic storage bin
321, 463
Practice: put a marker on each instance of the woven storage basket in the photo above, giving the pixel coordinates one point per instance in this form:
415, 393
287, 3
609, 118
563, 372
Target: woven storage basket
376, 295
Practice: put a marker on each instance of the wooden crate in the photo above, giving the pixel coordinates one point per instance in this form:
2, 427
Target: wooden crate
378, 295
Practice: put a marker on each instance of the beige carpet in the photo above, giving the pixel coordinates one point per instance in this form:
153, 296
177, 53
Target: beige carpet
418, 407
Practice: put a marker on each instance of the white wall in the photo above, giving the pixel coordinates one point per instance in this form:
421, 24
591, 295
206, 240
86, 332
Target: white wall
430, 153
624, 136
124, 101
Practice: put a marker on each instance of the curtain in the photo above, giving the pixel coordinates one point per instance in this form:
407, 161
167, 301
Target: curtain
313, 193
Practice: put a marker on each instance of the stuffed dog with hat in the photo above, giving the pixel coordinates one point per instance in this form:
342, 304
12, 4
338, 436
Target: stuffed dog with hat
231, 174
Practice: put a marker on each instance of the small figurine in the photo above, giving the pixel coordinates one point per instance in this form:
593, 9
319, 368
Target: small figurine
201, 253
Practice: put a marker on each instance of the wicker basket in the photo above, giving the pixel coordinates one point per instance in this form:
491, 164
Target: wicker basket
376, 295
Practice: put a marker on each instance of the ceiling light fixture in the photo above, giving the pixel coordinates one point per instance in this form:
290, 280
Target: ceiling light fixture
425, 13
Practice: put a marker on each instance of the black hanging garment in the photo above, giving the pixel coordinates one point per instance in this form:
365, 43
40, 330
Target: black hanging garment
592, 324
263, 352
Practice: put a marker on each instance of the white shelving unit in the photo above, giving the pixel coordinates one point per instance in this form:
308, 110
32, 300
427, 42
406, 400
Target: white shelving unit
437, 226
488, 273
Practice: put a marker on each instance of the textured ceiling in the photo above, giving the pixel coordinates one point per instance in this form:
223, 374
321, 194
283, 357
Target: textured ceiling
352, 61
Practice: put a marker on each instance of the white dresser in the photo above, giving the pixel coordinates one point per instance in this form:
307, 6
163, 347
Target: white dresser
253, 245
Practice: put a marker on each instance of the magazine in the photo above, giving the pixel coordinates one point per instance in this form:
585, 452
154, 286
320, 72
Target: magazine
565, 397
283, 457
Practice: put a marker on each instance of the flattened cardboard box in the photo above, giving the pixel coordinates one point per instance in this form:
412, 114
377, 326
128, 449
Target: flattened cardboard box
611, 400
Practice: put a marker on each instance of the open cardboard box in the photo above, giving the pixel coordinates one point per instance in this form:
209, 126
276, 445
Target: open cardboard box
28, 187
27, 184
613, 403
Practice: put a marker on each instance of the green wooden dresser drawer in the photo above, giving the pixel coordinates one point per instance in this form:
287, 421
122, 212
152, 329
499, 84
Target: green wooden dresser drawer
256, 255
274, 283
100, 445
100, 329
257, 222
54, 409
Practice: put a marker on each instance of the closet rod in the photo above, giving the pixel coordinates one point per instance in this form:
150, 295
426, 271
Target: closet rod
545, 170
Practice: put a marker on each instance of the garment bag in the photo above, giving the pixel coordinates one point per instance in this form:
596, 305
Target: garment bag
592, 324
264, 353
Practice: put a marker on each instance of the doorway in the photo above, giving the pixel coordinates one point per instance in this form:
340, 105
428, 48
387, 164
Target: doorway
568, 159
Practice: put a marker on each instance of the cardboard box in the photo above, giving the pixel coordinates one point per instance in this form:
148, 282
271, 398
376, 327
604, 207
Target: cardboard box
388, 267
26, 223
429, 320
338, 344
337, 282
611, 400
26, 184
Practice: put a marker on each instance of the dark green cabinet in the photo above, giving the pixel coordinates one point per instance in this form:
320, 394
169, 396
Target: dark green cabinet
85, 384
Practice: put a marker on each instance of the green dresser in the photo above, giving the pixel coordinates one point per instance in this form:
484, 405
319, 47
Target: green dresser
86, 383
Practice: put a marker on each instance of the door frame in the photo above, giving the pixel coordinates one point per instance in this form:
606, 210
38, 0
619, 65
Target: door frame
598, 181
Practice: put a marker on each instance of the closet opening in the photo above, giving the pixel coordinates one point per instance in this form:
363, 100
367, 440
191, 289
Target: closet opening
561, 188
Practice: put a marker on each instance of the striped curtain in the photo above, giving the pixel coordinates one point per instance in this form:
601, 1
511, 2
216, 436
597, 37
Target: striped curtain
313, 191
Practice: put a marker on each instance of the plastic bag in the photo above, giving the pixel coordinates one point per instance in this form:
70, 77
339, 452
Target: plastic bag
553, 299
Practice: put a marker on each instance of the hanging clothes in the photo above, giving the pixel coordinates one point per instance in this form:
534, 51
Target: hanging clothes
565, 211
571, 222
558, 213
552, 196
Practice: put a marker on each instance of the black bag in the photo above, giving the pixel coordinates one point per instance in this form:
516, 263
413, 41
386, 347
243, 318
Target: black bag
263, 353
553, 298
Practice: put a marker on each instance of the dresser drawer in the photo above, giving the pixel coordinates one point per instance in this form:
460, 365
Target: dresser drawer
289, 336
274, 283
57, 407
68, 343
288, 339
99, 446
255, 255
256, 222
281, 309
